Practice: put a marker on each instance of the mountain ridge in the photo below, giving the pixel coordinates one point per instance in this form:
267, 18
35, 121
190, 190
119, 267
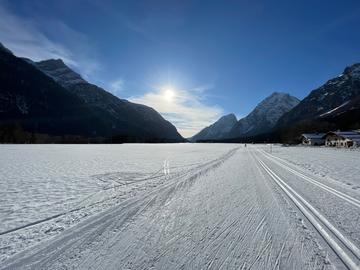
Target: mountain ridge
217, 130
332, 94
123, 113
92, 111
261, 119
265, 115
104, 114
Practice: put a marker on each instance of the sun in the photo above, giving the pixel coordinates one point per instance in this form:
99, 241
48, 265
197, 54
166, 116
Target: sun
169, 94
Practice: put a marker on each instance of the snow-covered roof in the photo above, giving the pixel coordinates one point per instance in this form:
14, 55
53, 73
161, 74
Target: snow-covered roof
351, 135
312, 136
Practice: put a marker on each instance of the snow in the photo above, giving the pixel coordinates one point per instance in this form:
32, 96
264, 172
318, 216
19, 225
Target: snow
328, 179
335, 109
57, 70
275, 106
265, 115
177, 206
54, 179
335, 164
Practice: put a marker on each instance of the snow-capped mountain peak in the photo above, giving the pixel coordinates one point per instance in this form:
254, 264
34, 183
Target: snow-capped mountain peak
265, 115
274, 106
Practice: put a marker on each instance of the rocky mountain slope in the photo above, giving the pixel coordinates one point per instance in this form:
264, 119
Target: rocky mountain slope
333, 106
328, 98
124, 116
48, 97
35, 102
280, 117
265, 115
216, 131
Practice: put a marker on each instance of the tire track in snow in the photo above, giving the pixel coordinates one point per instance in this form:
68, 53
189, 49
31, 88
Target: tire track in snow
343, 247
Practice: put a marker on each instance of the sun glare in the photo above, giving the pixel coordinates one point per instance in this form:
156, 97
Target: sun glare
169, 94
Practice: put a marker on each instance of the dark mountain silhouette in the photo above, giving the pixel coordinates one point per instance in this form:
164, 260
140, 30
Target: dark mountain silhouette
328, 97
38, 102
334, 105
218, 130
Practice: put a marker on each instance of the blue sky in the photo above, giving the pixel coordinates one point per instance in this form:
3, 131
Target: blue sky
216, 56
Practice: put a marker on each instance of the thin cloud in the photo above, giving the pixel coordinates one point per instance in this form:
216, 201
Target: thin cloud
116, 86
29, 38
187, 109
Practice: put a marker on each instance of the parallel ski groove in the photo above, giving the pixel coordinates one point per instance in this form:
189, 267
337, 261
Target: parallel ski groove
337, 193
322, 225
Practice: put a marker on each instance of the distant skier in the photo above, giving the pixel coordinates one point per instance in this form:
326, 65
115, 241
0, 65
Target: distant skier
245, 144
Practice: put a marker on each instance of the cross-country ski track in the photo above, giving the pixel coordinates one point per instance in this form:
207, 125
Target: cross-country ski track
245, 209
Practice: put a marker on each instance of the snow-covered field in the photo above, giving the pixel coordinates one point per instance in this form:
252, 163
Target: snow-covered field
40, 181
178, 206
336, 164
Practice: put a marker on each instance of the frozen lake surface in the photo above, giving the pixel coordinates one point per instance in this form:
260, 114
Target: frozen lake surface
171, 206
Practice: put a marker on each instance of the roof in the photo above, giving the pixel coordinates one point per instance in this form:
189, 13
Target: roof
351, 135
313, 135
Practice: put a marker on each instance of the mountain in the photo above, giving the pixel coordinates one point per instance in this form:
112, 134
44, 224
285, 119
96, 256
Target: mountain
30, 99
4, 49
62, 74
216, 131
265, 115
125, 117
48, 97
334, 105
344, 117
326, 99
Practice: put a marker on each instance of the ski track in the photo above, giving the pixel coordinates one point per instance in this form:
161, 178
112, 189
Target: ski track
60, 185
337, 202
228, 212
336, 165
345, 250
286, 165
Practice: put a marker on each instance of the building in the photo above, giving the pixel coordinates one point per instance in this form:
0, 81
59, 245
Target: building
342, 138
313, 139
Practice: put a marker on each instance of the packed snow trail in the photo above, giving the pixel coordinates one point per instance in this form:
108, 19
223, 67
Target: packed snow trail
227, 213
342, 246
286, 165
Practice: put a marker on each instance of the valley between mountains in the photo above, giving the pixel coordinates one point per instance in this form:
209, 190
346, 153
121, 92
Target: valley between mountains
48, 102
179, 135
